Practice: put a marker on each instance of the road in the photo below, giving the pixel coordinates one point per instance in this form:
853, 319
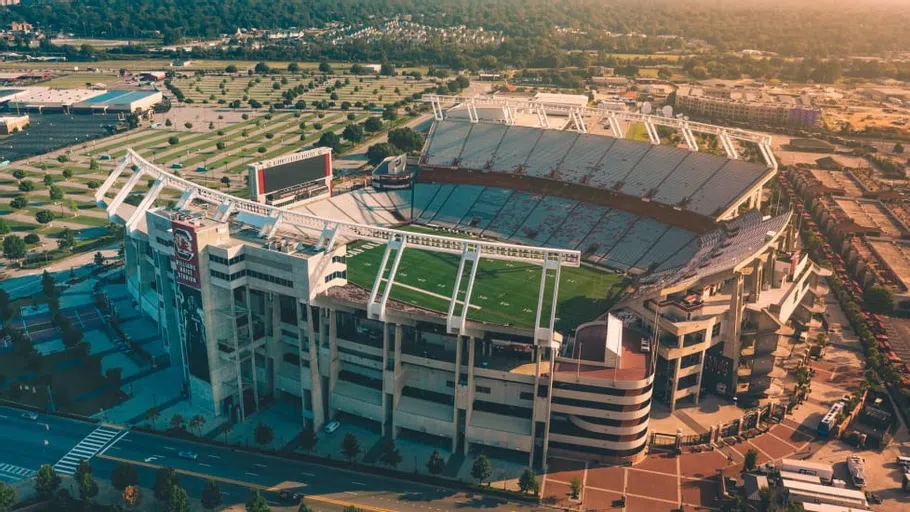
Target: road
326, 488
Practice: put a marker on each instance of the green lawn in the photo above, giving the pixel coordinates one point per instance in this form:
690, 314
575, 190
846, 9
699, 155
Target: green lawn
504, 292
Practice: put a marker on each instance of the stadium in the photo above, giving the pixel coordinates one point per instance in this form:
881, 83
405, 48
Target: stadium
527, 287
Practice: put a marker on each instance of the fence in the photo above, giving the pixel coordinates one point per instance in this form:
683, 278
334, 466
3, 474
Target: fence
750, 420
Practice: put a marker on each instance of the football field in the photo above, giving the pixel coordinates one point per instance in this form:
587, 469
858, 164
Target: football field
505, 292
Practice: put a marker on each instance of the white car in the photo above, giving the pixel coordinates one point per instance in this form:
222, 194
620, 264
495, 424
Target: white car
330, 427
188, 455
29, 415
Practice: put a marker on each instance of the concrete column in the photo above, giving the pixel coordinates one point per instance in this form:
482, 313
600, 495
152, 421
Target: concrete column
385, 373
675, 384
470, 406
249, 317
316, 397
536, 355
458, 343
328, 334
770, 267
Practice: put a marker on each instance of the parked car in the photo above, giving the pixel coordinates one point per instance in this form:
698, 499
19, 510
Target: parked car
330, 427
29, 415
188, 455
291, 498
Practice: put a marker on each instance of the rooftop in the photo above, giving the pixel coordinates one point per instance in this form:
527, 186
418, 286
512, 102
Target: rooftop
592, 342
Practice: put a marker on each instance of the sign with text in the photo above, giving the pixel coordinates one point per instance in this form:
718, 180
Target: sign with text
186, 251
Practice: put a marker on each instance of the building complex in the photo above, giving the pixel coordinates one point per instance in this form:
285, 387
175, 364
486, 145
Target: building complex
522, 289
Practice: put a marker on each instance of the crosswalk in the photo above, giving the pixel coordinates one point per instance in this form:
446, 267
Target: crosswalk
93, 443
11, 473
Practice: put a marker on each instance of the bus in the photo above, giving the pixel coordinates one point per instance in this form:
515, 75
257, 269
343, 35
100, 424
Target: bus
830, 419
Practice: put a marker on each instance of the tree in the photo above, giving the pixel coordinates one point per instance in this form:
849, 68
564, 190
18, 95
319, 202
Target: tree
46, 482
262, 68
308, 439
878, 300
67, 239
55, 193
173, 140
32, 238
4, 227
87, 487
197, 422
177, 500
124, 475
18, 174
225, 429
898, 148
324, 67
211, 495
263, 434
390, 113
379, 152
220, 145
390, 455
301, 508
18, 202
481, 470
350, 447
26, 186
750, 459
99, 259
575, 487
7, 497
329, 140
372, 124
353, 133
528, 483
178, 422
47, 180
131, 496
387, 69
256, 503
152, 415
406, 139
84, 468
293, 67
165, 482
6, 306
436, 464
48, 286
44, 216
230, 68
766, 500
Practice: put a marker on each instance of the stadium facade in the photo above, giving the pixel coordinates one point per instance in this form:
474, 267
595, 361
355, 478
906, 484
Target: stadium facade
530, 293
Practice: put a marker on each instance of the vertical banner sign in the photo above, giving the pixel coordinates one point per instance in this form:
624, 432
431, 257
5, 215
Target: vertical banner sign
189, 299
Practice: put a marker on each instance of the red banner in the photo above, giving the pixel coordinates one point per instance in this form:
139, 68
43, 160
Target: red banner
186, 251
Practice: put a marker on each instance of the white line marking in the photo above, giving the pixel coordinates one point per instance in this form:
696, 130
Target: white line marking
169, 448
251, 474
204, 464
260, 465
359, 483
213, 456
307, 474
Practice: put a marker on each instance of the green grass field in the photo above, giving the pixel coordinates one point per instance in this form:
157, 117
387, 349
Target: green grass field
504, 292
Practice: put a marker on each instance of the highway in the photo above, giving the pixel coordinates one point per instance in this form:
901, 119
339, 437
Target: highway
326, 488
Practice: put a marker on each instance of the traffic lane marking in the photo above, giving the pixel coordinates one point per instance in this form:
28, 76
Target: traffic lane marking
250, 485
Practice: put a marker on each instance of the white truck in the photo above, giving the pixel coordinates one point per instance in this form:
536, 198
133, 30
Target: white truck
825, 472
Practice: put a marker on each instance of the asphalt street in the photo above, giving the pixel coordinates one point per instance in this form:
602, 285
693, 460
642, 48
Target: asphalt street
325, 488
